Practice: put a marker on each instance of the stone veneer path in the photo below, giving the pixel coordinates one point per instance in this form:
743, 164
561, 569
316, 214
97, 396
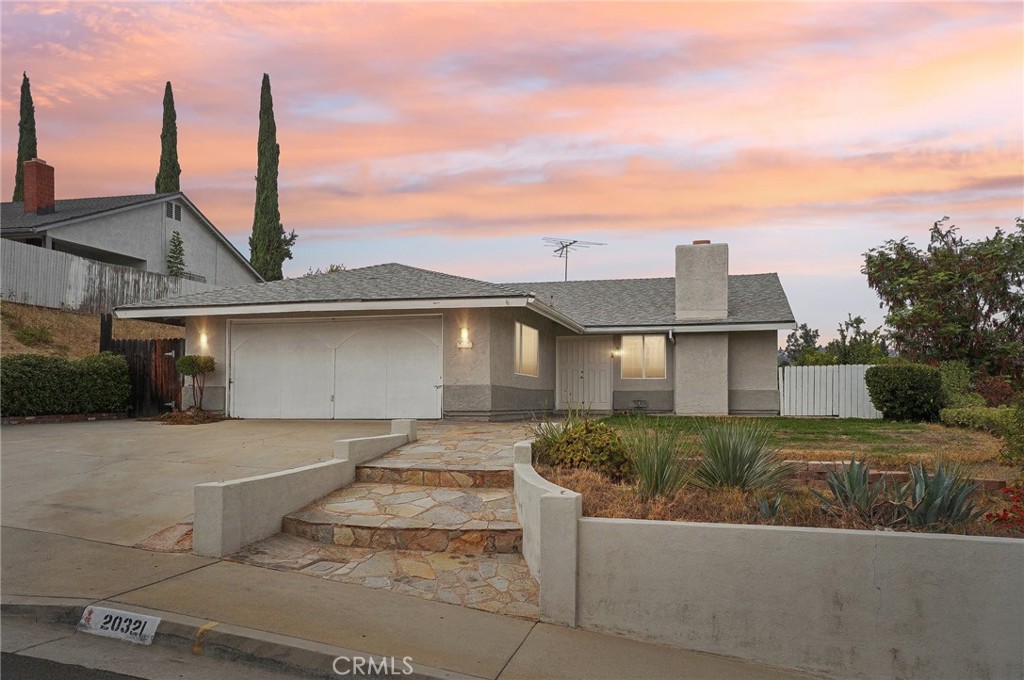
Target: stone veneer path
433, 519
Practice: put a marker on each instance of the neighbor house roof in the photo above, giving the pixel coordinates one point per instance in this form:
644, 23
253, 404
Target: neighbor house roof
753, 298
16, 221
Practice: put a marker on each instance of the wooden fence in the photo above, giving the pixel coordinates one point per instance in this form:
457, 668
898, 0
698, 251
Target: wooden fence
825, 391
49, 278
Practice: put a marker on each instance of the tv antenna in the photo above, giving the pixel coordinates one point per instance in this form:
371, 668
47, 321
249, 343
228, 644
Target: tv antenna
564, 246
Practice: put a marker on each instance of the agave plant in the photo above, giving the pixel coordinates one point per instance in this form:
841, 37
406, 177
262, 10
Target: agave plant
853, 492
770, 507
738, 454
654, 452
944, 498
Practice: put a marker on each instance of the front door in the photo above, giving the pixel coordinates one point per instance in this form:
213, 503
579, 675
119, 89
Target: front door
584, 373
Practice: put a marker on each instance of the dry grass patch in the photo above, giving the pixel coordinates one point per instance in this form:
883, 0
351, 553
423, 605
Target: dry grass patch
25, 329
800, 507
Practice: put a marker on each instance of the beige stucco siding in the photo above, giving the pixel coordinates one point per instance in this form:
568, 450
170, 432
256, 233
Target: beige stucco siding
753, 372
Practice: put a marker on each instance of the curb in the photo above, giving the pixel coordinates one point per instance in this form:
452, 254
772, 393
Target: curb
230, 642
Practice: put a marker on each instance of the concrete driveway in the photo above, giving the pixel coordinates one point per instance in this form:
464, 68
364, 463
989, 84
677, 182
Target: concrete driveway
122, 481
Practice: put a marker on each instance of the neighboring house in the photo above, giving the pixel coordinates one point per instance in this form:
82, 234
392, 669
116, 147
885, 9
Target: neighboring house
393, 341
132, 231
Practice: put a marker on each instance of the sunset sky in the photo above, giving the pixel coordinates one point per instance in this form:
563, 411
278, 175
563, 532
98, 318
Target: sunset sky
454, 136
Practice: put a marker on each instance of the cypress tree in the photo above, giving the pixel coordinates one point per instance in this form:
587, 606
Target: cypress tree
167, 177
269, 246
176, 255
26, 137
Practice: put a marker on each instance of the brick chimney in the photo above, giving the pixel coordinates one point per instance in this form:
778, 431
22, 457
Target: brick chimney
39, 196
702, 281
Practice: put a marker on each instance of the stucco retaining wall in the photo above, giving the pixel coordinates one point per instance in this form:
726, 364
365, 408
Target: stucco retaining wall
232, 514
842, 603
549, 516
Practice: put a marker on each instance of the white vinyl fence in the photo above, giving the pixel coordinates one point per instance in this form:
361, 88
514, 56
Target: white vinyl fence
825, 391
48, 278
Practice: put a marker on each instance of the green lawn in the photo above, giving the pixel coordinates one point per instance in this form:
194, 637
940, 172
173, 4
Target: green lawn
886, 443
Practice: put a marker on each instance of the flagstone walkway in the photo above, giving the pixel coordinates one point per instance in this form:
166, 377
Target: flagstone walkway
434, 519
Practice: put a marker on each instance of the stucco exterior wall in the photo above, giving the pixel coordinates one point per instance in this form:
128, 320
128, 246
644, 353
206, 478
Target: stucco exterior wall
514, 395
753, 372
144, 234
701, 374
215, 328
467, 372
847, 604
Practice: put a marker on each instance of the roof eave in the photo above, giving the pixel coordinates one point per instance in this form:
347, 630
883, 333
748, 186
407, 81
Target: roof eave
319, 307
722, 327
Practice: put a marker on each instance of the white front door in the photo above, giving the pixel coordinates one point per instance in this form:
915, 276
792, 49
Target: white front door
584, 374
362, 368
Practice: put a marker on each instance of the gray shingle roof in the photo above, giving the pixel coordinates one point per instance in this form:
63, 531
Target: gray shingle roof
14, 219
379, 282
753, 298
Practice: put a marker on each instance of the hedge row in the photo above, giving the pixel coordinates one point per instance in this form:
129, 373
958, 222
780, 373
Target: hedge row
35, 385
906, 391
984, 418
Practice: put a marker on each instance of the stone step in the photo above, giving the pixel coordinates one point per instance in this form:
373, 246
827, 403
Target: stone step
410, 517
386, 472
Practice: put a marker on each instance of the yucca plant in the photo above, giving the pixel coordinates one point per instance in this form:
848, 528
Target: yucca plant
942, 499
655, 455
853, 492
738, 454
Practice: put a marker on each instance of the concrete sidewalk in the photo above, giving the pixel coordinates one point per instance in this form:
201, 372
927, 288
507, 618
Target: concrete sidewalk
295, 623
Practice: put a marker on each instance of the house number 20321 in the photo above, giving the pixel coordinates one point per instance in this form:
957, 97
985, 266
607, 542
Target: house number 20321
122, 625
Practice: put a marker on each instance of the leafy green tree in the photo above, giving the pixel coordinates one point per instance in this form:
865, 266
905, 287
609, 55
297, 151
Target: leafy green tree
956, 299
197, 367
176, 255
27, 147
331, 269
856, 344
801, 340
269, 245
167, 178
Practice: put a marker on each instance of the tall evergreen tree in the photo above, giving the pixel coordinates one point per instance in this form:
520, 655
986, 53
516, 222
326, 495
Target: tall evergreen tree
167, 178
269, 246
176, 255
26, 137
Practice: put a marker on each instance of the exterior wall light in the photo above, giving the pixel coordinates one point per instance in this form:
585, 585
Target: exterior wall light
616, 352
464, 342
202, 340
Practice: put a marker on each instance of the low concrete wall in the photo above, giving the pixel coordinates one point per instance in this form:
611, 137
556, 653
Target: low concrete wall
549, 516
233, 514
850, 604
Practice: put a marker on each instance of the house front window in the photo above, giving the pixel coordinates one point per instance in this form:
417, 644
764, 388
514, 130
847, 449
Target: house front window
643, 356
527, 350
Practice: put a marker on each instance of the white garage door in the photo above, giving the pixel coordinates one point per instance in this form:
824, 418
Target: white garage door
387, 368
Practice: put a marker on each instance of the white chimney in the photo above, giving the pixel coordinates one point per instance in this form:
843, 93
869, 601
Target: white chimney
702, 281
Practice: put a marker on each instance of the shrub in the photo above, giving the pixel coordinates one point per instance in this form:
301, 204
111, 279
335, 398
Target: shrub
1014, 514
196, 366
40, 385
550, 433
853, 493
103, 384
906, 391
1013, 436
30, 336
995, 391
956, 385
991, 420
659, 469
737, 454
942, 499
589, 445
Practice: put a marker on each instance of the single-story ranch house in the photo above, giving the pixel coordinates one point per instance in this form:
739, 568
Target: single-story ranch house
392, 341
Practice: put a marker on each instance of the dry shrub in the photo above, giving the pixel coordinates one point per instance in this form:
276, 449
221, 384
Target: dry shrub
605, 498
192, 416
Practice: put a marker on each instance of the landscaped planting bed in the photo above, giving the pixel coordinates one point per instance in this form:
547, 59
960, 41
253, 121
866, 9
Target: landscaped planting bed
660, 469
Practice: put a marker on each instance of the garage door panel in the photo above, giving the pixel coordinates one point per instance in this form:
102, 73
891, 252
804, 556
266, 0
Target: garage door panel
278, 373
374, 369
359, 386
